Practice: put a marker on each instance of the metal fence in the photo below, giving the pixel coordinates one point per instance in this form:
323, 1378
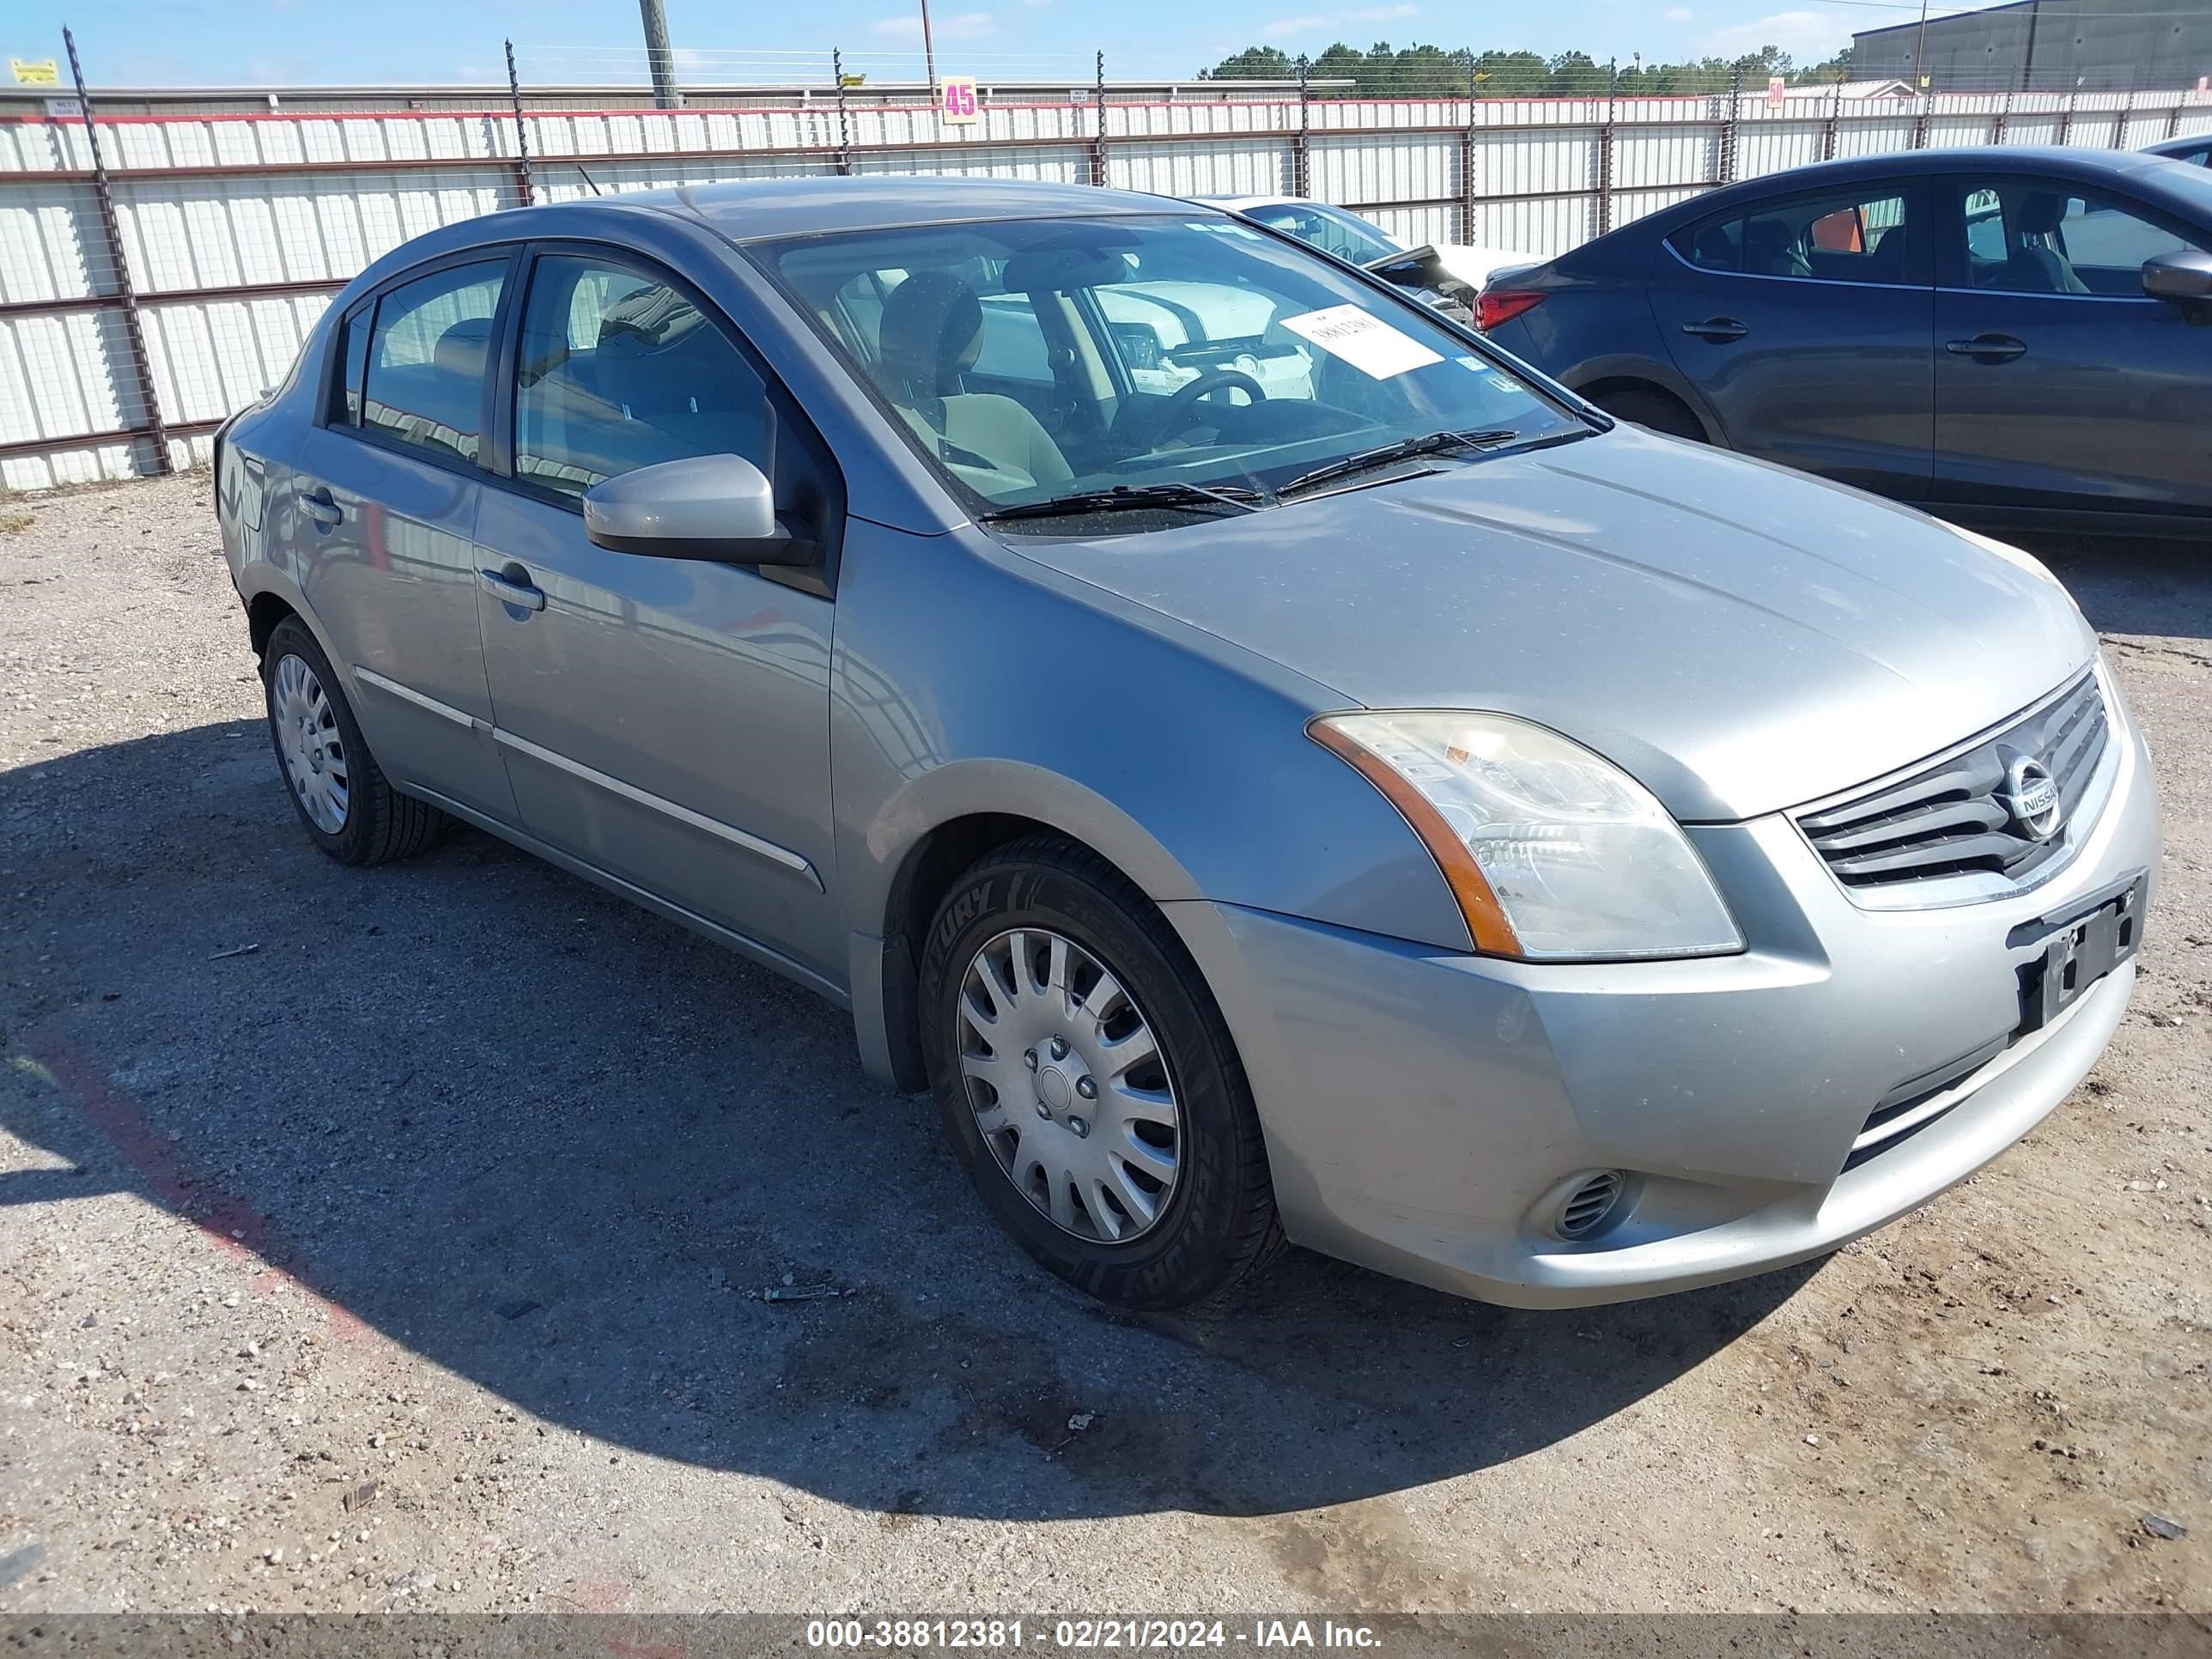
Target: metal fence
160, 264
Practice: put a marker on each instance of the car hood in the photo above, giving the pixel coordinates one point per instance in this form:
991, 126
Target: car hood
1740, 637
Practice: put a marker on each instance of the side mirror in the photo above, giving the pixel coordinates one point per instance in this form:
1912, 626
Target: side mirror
717, 508
2183, 275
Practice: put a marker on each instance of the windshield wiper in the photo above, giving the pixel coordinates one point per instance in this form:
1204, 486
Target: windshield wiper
1121, 497
1429, 443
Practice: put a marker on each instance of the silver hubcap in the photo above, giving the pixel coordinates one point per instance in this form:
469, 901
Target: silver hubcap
307, 742
1068, 1085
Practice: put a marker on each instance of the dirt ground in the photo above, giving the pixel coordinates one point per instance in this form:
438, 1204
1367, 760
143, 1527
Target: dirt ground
398, 1239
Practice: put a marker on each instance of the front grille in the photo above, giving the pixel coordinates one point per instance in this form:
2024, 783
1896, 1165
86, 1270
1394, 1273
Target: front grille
1952, 817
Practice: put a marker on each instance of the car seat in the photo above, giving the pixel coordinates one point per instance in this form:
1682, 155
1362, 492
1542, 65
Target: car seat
933, 329
2034, 264
1771, 249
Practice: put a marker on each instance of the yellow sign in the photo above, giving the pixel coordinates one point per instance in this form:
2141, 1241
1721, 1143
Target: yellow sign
45, 72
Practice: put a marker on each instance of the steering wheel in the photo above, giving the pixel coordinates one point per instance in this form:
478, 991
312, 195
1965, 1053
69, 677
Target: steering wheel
1176, 416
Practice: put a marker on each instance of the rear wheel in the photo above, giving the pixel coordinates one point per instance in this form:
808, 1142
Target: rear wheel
343, 799
1088, 1082
1647, 406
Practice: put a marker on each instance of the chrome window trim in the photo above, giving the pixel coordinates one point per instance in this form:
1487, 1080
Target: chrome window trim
2035, 293
1795, 282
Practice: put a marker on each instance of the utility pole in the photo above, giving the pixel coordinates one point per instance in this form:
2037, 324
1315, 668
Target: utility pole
658, 56
928, 51
1920, 53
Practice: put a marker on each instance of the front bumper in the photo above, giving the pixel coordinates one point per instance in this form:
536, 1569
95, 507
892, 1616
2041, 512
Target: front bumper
1420, 1107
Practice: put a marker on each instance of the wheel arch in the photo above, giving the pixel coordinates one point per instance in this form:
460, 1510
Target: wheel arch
1594, 379
964, 812
264, 611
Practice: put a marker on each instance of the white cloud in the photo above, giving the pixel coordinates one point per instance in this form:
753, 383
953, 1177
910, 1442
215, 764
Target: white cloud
960, 26
1312, 23
1807, 36
1678, 15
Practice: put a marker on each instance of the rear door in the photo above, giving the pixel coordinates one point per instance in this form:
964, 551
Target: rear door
381, 511
664, 720
1807, 323
2059, 384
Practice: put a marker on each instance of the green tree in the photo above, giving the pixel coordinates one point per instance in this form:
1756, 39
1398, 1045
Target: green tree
1252, 63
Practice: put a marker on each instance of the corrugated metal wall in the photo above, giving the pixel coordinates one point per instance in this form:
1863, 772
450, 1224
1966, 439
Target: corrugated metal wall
236, 228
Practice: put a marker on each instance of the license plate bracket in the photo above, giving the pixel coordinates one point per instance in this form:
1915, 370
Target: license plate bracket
2079, 951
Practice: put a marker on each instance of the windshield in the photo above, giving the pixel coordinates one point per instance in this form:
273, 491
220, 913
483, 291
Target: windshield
1036, 361
1331, 229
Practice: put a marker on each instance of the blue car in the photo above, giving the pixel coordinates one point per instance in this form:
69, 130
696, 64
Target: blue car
2196, 149
2019, 338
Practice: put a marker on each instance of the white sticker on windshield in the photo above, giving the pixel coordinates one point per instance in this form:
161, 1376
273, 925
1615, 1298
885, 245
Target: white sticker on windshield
1366, 341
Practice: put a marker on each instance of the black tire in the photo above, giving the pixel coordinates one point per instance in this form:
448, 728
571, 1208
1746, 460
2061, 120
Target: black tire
379, 823
1217, 1228
1647, 406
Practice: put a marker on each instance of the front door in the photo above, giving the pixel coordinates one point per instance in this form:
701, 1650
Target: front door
2059, 384
1807, 322
666, 720
383, 508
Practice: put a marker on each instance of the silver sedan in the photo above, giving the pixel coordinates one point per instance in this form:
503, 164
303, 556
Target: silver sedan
1272, 766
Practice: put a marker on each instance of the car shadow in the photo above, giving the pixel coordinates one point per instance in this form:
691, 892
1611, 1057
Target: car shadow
571, 1152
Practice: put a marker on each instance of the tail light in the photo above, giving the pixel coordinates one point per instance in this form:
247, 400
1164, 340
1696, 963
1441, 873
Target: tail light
1494, 306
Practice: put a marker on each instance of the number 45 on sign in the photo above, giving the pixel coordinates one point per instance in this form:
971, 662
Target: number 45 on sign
955, 100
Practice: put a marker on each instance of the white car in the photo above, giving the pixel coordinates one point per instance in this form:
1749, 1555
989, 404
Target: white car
1454, 271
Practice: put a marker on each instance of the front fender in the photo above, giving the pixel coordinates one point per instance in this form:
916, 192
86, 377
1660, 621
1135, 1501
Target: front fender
970, 681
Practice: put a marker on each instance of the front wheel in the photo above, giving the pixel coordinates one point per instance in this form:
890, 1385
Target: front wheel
1089, 1084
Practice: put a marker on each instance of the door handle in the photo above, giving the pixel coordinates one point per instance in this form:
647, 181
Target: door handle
513, 586
1987, 347
1719, 330
317, 505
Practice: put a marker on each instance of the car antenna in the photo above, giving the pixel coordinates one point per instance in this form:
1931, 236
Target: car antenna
588, 179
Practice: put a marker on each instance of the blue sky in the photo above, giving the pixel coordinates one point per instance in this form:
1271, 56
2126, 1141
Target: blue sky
324, 41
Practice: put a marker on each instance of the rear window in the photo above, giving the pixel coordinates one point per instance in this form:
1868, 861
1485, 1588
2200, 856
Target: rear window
1854, 235
426, 351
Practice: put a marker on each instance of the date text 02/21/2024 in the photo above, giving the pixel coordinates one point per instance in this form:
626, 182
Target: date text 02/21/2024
1012, 1635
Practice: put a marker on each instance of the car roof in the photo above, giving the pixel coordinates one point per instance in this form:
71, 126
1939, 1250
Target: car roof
2142, 173
756, 209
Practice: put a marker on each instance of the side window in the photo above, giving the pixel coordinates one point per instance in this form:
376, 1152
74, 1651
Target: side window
1856, 237
2041, 236
1715, 245
618, 370
1985, 230
425, 380
2106, 244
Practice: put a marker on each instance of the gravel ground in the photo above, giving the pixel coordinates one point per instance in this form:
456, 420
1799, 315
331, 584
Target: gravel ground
396, 1239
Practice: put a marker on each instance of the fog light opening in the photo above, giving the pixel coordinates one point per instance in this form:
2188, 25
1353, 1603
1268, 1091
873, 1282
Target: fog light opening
1591, 1204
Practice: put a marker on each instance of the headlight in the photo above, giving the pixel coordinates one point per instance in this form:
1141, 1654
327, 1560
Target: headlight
1551, 850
